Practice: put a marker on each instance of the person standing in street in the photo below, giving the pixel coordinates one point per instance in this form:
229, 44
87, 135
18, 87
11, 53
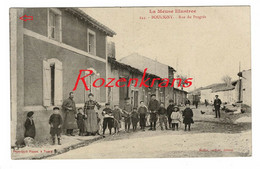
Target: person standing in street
117, 114
217, 103
187, 117
108, 120
143, 112
176, 117
134, 118
55, 122
92, 127
153, 107
127, 111
162, 116
69, 111
169, 112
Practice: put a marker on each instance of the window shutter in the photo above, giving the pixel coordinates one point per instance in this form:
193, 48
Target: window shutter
46, 84
58, 84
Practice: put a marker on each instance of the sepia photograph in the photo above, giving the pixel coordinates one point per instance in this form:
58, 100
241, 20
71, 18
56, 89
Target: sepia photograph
130, 82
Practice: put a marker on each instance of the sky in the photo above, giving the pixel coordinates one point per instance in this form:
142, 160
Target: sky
203, 49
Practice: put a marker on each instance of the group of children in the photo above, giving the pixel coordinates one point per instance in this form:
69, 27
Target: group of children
113, 118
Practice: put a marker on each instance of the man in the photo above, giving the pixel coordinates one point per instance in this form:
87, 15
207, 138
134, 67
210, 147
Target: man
162, 116
108, 120
169, 112
153, 107
127, 110
69, 111
142, 111
217, 103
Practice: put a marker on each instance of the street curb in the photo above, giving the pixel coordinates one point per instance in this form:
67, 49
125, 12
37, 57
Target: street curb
62, 150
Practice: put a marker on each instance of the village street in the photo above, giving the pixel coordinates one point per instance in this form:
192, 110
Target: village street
209, 137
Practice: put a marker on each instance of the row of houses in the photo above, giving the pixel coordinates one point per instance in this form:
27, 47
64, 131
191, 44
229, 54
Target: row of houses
238, 91
47, 54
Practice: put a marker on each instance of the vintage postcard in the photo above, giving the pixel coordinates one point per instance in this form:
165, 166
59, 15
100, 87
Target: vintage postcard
130, 82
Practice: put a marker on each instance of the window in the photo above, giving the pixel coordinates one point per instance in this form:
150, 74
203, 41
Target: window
52, 82
91, 37
54, 24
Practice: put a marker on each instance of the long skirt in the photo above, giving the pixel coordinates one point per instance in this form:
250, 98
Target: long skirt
91, 121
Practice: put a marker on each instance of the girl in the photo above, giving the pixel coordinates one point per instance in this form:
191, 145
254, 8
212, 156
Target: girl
176, 117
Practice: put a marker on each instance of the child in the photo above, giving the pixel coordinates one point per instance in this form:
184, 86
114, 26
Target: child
127, 109
188, 116
162, 116
134, 118
143, 112
55, 122
29, 126
175, 117
127, 119
108, 119
117, 113
80, 121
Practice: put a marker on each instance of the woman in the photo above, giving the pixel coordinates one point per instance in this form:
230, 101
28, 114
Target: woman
91, 121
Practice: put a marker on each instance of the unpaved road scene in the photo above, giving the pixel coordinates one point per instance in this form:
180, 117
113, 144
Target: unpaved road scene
228, 136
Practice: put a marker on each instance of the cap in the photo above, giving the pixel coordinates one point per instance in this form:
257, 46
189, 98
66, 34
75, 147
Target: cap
90, 94
30, 113
56, 108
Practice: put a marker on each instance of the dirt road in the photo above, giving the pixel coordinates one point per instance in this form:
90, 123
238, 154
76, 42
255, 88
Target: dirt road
209, 138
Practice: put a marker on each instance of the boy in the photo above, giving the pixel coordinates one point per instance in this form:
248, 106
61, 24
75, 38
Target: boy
162, 116
128, 108
143, 112
80, 121
134, 118
108, 120
188, 117
55, 122
153, 108
117, 113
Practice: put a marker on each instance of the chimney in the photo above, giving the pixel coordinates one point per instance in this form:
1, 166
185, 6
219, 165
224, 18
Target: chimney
111, 51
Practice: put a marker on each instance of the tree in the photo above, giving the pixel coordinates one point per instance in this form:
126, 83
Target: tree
227, 79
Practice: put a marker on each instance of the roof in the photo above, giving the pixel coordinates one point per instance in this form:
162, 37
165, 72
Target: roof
92, 21
141, 62
125, 66
216, 87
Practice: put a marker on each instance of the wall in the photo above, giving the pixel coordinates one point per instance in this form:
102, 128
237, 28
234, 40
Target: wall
246, 87
74, 33
37, 51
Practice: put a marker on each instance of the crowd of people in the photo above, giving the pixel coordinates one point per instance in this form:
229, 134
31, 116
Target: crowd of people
88, 122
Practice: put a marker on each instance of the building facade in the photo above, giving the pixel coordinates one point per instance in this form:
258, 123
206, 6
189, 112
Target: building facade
47, 54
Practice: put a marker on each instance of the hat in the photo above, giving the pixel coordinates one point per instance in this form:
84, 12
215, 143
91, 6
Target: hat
127, 98
107, 104
171, 101
30, 113
153, 95
56, 108
80, 108
176, 107
216, 95
90, 94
